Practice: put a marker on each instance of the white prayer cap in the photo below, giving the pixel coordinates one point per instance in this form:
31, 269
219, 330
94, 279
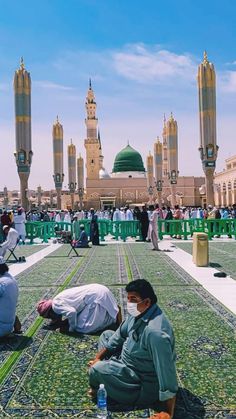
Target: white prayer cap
2, 261
4, 227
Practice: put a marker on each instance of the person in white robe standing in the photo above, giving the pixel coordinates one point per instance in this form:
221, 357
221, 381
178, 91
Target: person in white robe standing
154, 233
87, 308
19, 222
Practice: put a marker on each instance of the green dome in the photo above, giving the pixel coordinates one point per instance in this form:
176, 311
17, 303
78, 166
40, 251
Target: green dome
128, 160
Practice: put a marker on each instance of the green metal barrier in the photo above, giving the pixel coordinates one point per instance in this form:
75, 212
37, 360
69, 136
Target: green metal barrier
47, 230
186, 228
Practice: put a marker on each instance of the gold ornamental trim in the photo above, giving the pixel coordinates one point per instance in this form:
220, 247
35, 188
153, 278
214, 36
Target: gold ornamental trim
22, 118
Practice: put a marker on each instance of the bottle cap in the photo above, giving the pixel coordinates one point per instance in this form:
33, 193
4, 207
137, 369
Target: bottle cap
101, 386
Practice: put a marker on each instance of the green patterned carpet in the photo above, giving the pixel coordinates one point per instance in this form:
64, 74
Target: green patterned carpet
44, 373
221, 255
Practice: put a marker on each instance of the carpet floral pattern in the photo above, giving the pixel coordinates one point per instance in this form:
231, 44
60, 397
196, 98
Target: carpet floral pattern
46, 376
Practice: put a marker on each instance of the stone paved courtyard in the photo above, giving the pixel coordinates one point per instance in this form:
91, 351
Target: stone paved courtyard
44, 373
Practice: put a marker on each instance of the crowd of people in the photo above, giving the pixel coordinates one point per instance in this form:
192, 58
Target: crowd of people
147, 217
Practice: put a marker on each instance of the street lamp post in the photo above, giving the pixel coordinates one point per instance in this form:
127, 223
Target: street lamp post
150, 193
81, 195
158, 185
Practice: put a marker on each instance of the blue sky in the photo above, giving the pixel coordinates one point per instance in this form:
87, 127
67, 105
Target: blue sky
142, 57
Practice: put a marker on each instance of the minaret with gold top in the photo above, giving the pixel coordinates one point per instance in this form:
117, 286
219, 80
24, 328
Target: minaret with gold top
150, 177
23, 152
80, 179
72, 172
92, 142
172, 155
164, 150
58, 176
158, 156
207, 113
101, 157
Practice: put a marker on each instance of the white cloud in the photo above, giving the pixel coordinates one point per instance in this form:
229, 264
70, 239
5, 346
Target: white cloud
152, 64
227, 81
50, 85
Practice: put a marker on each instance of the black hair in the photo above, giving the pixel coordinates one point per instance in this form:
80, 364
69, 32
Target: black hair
143, 289
3, 268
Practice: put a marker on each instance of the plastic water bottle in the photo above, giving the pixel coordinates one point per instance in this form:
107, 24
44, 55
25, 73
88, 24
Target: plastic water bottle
102, 402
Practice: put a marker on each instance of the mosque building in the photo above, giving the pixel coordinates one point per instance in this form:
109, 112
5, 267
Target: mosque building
128, 183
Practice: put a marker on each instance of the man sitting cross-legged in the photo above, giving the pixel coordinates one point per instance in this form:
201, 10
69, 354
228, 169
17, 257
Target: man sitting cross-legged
82, 242
144, 372
87, 309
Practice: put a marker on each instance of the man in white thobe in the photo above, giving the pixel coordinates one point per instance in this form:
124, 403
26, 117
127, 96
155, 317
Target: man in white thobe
128, 215
67, 218
11, 240
154, 233
19, 222
116, 215
9, 322
58, 217
88, 308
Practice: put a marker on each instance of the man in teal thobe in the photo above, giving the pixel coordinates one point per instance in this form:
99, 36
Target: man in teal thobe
144, 372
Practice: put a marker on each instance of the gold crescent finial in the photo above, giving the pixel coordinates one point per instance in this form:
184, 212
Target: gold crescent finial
22, 65
205, 59
164, 118
57, 120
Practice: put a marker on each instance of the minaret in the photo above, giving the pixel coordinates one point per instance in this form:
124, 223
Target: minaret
5, 197
92, 143
172, 155
101, 157
80, 179
158, 156
72, 172
164, 150
39, 195
150, 177
57, 135
23, 153
207, 112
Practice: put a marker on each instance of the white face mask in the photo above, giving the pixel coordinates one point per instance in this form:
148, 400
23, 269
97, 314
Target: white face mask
133, 309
